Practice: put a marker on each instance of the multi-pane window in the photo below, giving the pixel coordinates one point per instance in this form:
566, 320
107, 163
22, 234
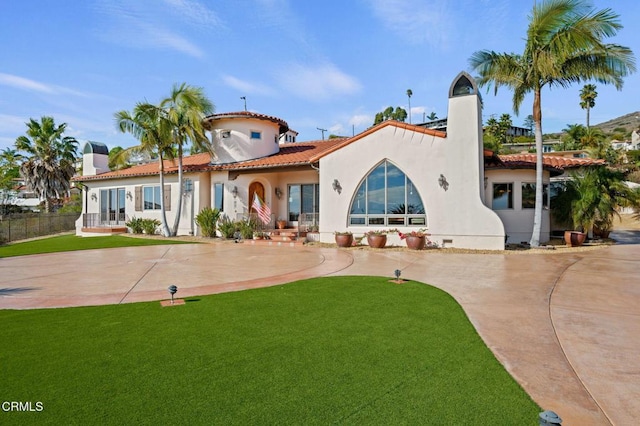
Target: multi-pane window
502, 196
218, 196
303, 198
386, 196
151, 198
529, 195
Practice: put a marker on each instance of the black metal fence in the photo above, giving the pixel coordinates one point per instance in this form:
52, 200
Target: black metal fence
29, 225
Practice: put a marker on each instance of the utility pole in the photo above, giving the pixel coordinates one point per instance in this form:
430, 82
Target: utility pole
322, 130
244, 98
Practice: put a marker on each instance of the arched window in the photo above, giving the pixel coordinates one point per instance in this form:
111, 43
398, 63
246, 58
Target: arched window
387, 197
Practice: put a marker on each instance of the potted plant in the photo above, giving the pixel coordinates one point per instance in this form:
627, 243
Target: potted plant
590, 201
416, 240
378, 238
343, 238
259, 235
281, 223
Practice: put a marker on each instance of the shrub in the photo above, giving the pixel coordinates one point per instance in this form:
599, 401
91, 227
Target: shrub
207, 220
135, 224
246, 228
227, 227
149, 226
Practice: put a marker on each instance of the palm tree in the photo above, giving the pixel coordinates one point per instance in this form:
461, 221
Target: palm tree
50, 159
185, 108
564, 45
148, 124
572, 138
409, 94
588, 96
593, 199
432, 116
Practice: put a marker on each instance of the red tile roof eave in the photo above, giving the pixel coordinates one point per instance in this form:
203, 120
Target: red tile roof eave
375, 128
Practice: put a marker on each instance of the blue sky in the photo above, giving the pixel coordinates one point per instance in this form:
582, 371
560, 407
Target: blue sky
328, 64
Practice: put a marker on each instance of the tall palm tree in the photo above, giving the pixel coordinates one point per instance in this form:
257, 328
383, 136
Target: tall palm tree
185, 108
409, 94
564, 45
50, 159
588, 96
148, 124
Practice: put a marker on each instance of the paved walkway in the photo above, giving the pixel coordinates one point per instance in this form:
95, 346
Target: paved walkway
566, 326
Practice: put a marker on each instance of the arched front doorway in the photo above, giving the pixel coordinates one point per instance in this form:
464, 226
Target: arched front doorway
255, 188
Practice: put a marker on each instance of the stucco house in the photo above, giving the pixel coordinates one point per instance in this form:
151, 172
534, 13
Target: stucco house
393, 175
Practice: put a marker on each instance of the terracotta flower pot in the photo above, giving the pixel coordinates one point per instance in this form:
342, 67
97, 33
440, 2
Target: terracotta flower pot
574, 238
281, 224
415, 242
344, 240
377, 241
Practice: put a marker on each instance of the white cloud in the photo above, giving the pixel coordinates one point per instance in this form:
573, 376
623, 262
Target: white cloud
149, 25
320, 82
195, 12
416, 21
24, 83
361, 120
247, 87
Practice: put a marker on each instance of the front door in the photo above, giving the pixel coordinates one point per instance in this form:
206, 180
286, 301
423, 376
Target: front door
255, 188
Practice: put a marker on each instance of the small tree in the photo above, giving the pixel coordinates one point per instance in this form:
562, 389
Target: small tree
207, 220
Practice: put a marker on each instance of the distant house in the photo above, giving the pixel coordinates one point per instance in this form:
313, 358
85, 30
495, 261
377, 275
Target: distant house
393, 175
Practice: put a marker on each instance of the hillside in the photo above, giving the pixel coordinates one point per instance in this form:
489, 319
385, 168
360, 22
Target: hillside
629, 121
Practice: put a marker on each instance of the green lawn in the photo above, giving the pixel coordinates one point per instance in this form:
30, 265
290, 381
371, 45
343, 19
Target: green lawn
339, 350
72, 242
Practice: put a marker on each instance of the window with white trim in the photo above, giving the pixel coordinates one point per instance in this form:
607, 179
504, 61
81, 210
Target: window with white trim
151, 197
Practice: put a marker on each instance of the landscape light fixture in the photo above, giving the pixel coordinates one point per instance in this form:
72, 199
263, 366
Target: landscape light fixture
173, 289
397, 273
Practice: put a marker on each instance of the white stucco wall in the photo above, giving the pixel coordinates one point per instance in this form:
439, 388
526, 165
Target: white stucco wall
239, 146
201, 199
518, 222
240, 205
456, 217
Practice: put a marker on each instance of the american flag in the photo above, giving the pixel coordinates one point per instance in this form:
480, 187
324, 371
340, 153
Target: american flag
263, 210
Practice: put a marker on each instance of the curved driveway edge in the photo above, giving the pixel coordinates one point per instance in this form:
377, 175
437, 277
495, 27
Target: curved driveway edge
136, 274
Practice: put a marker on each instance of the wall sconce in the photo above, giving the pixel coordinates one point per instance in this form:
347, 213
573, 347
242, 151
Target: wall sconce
94, 197
442, 181
278, 193
129, 196
336, 186
234, 192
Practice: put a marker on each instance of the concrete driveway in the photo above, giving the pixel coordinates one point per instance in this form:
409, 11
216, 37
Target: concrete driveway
566, 326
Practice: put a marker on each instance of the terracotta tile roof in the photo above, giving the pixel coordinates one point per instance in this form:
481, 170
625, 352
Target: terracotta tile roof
291, 154
377, 127
553, 161
247, 114
555, 165
191, 163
